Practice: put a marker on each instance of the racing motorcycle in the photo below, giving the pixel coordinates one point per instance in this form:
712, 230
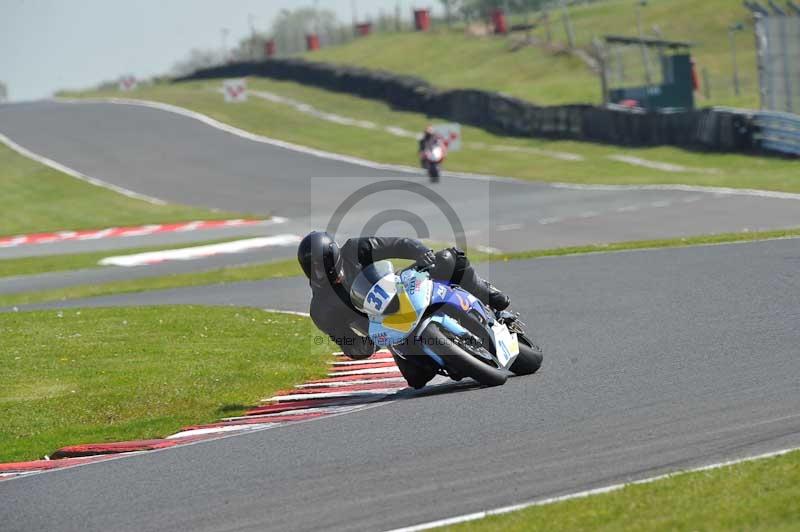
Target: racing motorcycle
433, 156
440, 327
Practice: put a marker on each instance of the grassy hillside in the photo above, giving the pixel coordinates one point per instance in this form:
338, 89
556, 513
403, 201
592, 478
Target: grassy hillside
453, 59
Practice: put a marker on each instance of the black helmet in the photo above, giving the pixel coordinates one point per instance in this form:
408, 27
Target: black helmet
319, 257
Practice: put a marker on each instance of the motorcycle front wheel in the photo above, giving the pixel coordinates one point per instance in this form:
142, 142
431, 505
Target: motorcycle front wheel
433, 172
529, 359
459, 360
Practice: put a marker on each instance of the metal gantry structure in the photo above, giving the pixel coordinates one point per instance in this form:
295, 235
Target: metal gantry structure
777, 32
631, 82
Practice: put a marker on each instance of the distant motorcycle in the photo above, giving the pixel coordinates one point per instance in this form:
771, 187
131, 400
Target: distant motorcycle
433, 156
442, 327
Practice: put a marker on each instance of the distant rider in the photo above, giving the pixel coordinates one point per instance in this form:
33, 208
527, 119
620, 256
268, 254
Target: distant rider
429, 136
331, 270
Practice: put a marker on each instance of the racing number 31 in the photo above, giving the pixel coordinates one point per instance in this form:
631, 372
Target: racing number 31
374, 300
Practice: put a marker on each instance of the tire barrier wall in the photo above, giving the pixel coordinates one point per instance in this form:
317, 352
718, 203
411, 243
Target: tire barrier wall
714, 129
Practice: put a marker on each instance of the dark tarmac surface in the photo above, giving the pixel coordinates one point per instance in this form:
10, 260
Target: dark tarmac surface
655, 361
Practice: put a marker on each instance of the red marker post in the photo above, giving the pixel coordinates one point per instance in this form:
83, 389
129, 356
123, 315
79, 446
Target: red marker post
312, 42
270, 48
499, 22
363, 29
422, 19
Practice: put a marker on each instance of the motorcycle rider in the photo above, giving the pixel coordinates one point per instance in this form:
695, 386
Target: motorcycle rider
428, 136
331, 270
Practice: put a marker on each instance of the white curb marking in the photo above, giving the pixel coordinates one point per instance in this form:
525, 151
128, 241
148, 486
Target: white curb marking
502, 148
297, 411
357, 362
548, 221
340, 384
657, 165
125, 232
197, 252
96, 236
488, 249
509, 227
290, 312
143, 231
369, 371
217, 430
331, 395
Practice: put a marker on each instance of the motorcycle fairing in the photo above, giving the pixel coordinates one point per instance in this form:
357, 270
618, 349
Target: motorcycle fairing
448, 323
445, 294
505, 344
414, 294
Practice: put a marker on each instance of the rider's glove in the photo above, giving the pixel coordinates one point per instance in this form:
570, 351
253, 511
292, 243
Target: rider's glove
426, 261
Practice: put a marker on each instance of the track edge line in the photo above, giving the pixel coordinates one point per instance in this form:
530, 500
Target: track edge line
25, 152
475, 516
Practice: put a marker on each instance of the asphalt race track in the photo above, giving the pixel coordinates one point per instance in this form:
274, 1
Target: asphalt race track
179, 159
655, 360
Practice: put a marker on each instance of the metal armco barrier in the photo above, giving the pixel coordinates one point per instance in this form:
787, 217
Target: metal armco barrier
727, 130
779, 132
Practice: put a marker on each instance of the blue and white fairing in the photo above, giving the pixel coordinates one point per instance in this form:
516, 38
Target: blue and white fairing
505, 343
416, 292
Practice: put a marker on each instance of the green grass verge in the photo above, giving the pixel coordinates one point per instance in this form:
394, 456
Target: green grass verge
98, 375
722, 238
283, 122
269, 270
289, 268
452, 59
757, 495
77, 261
36, 198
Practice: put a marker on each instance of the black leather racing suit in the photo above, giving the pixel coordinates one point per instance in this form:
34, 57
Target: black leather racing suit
334, 314
425, 140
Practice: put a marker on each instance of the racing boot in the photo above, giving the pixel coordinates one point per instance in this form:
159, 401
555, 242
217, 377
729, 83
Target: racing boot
416, 375
452, 264
490, 295
360, 349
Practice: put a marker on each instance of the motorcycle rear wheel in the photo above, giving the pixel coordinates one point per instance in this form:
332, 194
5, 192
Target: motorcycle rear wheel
460, 360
